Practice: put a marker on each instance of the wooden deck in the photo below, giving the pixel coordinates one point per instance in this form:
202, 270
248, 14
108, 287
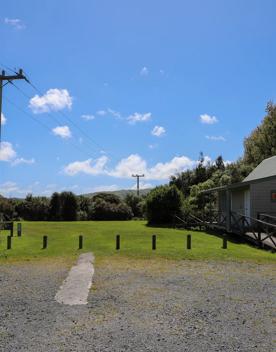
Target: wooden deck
261, 233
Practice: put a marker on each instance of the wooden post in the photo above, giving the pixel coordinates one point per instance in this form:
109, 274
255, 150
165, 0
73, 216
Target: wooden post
153, 242
9, 242
19, 229
117, 242
259, 229
189, 241
228, 210
224, 242
11, 229
45, 242
80, 242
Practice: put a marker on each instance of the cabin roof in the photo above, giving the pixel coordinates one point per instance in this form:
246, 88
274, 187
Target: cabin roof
266, 168
265, 171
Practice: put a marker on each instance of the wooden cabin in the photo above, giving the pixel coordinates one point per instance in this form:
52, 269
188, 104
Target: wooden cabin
255, 195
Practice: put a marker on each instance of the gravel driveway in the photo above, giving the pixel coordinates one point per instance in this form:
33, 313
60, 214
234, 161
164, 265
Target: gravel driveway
140, 305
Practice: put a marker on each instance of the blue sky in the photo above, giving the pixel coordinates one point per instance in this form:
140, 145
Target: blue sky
129, 87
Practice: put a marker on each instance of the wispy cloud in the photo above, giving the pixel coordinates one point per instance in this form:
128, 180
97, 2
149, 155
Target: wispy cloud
15, 23
144, 71
19, 161
137, 117
158, 131
207, 119
53, 100
101, 112
62, 131
88, 117
216, 138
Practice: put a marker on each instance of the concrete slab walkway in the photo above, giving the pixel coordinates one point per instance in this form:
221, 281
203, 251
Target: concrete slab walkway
76, 286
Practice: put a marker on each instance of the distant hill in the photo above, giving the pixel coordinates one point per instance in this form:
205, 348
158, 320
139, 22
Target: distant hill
121, 193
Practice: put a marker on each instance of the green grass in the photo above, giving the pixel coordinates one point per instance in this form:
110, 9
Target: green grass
99, 237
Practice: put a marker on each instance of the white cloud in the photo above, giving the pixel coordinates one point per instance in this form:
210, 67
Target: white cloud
110, 188
3, 119
137, 117
158, 131
126, 167
216, 138
8, 187
19, 161
114, 113
144, 71
142, 185
163, 171
207, 119
101, 112
153, 146
7, 153
14, 22
53, 100
88, 117
90, 167
134, 163
62, 131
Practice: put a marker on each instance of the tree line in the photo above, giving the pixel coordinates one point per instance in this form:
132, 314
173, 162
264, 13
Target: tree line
66, 206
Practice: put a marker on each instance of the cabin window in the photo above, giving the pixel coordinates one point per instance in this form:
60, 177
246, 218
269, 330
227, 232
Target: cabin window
273, 196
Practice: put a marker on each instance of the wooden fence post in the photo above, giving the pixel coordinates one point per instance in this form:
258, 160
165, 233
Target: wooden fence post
11, 229
80, 242
153, 242
224, 242
19, 229
9, 242
118, 242
45, 242
189, 241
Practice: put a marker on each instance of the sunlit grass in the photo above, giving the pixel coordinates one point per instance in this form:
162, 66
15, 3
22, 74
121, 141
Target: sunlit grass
99, 237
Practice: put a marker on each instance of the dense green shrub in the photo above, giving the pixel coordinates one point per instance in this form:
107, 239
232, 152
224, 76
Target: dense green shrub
162, 204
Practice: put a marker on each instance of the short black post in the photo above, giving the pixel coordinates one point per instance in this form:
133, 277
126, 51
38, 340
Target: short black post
153, 242
19, 229
80, 242
11, 229
45, 242
9, 242
224, 242
189, 241
118, 242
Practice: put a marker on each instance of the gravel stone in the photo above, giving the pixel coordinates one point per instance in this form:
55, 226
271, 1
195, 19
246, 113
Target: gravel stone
140, 305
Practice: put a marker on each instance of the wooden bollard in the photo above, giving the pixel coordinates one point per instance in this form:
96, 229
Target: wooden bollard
153, 242
11, 229
80, 242
19, 229
9, 242
45, 242
118, 242
189, 241
224, 242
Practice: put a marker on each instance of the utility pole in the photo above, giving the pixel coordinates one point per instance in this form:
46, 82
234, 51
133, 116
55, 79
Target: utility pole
138, 181
4, 80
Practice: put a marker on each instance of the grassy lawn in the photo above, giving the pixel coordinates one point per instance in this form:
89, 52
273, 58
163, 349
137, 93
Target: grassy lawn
99, 237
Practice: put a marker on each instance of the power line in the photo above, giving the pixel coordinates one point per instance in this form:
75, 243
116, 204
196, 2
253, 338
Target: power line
99, 146
43, 125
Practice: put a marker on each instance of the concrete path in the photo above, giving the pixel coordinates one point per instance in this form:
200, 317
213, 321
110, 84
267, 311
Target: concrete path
76, 286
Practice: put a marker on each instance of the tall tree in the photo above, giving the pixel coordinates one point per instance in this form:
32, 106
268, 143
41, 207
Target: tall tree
261, 143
